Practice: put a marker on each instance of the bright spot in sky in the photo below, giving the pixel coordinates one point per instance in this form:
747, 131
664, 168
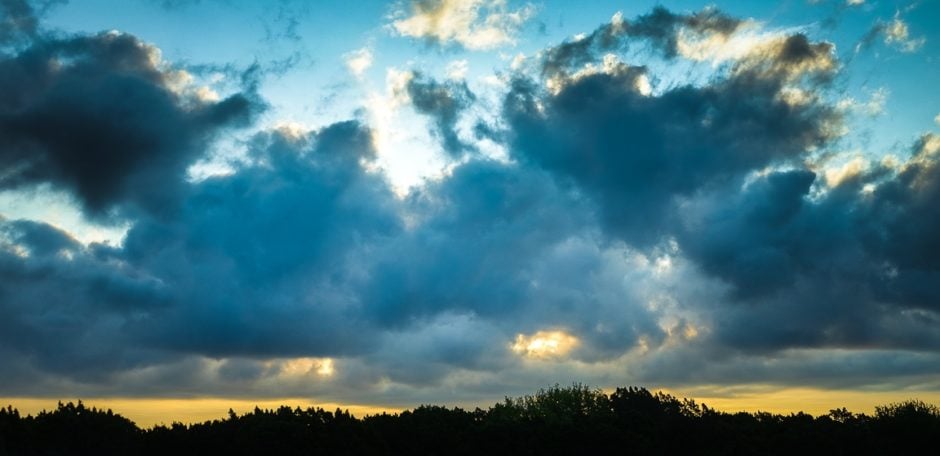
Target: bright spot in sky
325, 369
544, 344
299, 367
835, 176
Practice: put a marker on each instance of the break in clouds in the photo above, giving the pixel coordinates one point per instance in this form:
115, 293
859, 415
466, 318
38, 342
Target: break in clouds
698, 232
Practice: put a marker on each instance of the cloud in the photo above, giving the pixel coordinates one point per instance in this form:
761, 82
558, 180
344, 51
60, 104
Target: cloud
660, 29
636, 154
457, 69
895, 33
359, 61
875, 105
844, 268
19, 20
270, 248
102, 116
472, 24
248, 266
443, 102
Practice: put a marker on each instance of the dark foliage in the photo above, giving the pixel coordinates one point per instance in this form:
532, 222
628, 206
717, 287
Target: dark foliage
558, 420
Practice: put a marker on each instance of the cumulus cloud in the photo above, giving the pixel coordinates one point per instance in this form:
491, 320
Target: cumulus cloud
636, 154
472, 24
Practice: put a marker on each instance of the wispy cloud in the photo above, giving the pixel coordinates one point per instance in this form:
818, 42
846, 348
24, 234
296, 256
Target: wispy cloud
473, 24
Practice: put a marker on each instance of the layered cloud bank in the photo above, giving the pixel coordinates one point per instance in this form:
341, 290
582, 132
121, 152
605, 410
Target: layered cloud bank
635, 231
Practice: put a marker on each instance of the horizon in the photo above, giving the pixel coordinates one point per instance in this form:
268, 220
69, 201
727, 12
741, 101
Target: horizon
147, 413
405, 202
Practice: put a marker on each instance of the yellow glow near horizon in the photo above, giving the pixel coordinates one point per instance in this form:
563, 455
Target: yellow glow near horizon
544, 344
147, 412
791, 400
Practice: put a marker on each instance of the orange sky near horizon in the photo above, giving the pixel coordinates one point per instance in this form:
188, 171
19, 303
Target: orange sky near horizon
147, 412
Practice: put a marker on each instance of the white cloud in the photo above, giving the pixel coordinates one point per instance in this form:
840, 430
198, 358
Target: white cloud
358, 61
458, 69
873, 107
719, 47
898, 35
474, 24
850, 169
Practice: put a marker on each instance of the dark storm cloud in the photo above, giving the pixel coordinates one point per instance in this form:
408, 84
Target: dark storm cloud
97, 116
62, 308
507, 245
443, 102
636, 153
255, 263
749, 241
854, 267
259, 260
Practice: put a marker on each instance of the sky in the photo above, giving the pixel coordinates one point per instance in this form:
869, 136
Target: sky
382, 204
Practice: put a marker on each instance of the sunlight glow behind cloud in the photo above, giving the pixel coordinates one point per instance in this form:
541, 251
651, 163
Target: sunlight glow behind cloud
544, 345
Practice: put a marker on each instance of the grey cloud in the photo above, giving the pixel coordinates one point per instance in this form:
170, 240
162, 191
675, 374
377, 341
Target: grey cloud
848, 268
95, 115
64, 309
258, 261
505, 244
635, 154
443, 102
19, 21
659, 29
253, 264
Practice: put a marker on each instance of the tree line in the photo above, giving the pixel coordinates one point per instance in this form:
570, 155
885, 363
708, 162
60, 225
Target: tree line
558, 420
